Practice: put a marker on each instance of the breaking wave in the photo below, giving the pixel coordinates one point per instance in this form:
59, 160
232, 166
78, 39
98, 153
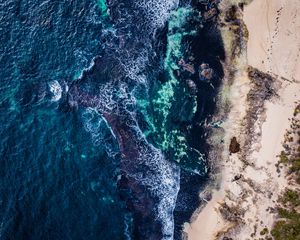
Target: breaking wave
163, 182
56, 90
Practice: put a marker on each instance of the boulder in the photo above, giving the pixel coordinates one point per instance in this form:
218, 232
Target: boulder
234, 146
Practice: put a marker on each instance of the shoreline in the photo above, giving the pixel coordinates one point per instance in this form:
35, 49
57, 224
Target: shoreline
250, 185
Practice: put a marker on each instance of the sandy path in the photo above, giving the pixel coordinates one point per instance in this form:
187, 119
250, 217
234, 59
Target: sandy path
274, 45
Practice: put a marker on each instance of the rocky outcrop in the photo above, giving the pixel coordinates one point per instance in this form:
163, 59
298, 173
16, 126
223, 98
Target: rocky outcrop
234, 146
263, 88
205, 72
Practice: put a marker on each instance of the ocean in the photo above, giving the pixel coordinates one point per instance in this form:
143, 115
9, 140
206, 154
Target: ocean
102, 108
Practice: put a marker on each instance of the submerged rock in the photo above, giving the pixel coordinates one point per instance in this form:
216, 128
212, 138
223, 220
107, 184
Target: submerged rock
186, 66
205, 72
192, 86
210, 14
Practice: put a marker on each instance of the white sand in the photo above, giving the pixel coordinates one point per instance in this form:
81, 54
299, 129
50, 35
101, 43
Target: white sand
274, 39
273, 47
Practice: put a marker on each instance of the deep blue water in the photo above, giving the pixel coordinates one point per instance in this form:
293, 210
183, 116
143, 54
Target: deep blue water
96, 124
55, 182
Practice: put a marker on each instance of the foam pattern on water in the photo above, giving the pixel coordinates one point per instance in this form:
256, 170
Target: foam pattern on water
164, 183
161, 177
158, 11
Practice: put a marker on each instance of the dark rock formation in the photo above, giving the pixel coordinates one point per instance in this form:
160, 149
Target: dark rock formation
234, 146
205, 72
263, 88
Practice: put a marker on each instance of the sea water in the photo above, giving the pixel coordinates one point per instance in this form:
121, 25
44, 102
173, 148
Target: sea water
60, 160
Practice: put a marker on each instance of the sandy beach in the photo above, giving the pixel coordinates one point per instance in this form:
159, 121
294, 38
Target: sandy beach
250, 184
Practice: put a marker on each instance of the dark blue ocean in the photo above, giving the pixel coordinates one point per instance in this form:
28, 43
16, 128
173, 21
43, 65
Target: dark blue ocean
55, 182
102, 107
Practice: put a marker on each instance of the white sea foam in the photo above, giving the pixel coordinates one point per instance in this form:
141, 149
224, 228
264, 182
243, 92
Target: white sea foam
110, 100
158, 11
56, 90
81, 57
93, 123
134, 68
115, 99
97, 126
162, 180
164, 183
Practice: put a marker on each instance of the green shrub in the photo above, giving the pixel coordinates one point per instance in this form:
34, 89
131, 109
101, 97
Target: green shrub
295, 165
298, 178
291, 197
264, 231
286, 230
283, 157
297, 110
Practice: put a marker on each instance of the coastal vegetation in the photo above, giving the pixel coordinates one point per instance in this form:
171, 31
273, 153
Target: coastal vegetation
287, 227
